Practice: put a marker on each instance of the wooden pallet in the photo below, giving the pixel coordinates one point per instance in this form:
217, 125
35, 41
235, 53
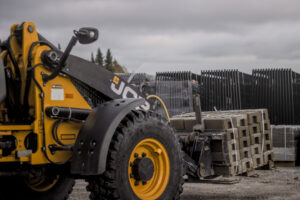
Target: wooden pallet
285, 163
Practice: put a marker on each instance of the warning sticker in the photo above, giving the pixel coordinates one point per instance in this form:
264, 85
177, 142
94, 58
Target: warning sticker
57, 94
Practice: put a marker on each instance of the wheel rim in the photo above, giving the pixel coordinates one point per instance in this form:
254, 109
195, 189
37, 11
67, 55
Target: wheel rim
42, 184
153, 186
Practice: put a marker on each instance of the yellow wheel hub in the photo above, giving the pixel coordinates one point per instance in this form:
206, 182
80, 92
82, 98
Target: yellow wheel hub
149, 169
42, 184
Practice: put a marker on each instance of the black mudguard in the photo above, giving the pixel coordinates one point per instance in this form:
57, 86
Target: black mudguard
92, 144
2, 82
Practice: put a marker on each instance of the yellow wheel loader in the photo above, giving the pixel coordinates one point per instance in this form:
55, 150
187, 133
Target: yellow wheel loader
64, 118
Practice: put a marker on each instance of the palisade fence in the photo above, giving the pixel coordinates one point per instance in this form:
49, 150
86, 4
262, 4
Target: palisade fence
279, 91
224, 90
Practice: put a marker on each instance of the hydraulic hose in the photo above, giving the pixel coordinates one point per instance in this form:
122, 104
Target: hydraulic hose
162, 103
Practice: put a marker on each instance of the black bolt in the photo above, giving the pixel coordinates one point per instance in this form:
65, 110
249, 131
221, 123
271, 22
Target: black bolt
131, 175
136, 183
91, 152
144, 182
144, 155
136, 155
93, 143
131, 164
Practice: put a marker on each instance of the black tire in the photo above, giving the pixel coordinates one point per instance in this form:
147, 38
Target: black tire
14, 188
114, 183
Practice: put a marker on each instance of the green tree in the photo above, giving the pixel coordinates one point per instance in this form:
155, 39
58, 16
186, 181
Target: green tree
108, 59
115, 67
92, 58
99, 57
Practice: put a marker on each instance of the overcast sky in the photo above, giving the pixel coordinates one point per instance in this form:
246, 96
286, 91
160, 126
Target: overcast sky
161, 35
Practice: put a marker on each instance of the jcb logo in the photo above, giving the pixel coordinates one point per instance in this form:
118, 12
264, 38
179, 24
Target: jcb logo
126, 91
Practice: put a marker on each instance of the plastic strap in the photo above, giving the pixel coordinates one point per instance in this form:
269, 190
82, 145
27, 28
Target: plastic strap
263, 132
236, 160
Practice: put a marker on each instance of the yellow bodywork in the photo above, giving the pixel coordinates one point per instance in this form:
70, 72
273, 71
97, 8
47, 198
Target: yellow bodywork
67, 132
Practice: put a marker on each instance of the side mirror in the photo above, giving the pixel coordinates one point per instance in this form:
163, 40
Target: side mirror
83, 36
86, 35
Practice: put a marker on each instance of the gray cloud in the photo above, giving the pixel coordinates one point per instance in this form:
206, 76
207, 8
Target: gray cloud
163, 35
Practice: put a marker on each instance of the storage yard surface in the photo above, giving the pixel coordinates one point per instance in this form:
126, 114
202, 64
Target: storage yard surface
278, 184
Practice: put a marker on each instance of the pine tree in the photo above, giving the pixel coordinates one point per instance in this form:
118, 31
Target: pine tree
58, 46
99, 57
92, 58
115, 67
108, 59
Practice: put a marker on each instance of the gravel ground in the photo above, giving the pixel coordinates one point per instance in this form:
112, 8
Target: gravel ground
278, 184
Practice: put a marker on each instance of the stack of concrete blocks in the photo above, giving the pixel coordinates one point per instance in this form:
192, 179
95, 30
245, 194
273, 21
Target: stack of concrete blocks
254, 135
225, 149
246, 138
236, 125
285, 139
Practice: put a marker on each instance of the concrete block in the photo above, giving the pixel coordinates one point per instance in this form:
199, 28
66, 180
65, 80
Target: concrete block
244, 142
238, 168
254, 128
254, 117
262, 112
247, 164
245, 153
256, 149
266, 126
258, 160
239, 119
268, 155
243, 131
232, 134
267, 136
233, 145
268, 146
219, 142
177, 123
218, 124
265, 113
189, 123
255, 139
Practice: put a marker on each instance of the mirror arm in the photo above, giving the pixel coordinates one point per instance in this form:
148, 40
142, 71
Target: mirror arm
62, 61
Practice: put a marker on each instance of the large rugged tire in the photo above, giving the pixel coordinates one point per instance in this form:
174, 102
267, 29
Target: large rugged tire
136, 129
15, 188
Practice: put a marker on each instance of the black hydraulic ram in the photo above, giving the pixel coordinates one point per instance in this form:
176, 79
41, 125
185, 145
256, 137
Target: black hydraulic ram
68, 113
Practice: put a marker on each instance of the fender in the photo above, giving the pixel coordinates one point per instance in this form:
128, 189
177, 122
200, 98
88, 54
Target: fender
92, 144
2, 82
